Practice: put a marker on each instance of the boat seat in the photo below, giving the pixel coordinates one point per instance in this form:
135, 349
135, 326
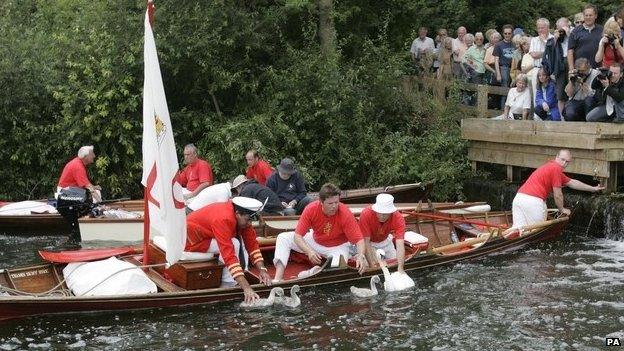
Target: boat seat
161, 243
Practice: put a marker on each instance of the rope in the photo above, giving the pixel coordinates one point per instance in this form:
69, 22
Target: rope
64, 292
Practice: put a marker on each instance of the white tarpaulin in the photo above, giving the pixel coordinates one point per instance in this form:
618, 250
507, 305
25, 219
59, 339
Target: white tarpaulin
107, 277
25, 208
160, 162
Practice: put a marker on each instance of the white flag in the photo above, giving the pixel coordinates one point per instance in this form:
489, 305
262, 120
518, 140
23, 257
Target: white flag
160, 162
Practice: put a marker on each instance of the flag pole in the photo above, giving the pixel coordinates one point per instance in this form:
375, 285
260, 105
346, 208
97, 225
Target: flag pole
146, 216
146, 228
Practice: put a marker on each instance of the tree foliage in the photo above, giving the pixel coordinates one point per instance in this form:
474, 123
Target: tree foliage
238, 74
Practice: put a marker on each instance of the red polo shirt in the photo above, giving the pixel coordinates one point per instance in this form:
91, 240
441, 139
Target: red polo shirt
329, 230
74, 174
194, 174
260, 172
218, 221
542, 181
377, 231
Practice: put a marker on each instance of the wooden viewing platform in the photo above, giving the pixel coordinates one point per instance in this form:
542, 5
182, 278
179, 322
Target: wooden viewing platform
597, 148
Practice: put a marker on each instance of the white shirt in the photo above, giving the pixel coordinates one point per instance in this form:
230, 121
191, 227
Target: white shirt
461, 46
418, 44
517, 101
537, 45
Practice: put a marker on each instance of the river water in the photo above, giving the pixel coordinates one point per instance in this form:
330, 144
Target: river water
563, 295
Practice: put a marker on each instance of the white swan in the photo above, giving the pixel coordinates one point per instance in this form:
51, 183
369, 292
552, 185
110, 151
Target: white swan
395, 281
292, 301
363, 292
263, 302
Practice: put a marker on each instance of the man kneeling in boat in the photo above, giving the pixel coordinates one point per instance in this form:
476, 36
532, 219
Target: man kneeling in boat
529, 205
333, 227
225, 222
380, 223
75, 173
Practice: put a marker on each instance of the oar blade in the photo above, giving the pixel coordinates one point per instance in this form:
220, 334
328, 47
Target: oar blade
85, 254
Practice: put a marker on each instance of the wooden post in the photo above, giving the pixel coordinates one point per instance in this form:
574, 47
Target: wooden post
473, 165
482, 101
510, 171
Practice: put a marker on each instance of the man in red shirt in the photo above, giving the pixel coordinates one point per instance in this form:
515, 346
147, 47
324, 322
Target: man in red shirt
333, 229
380, 223
529, 205
258, 169
218, 228
75, 173
197, 175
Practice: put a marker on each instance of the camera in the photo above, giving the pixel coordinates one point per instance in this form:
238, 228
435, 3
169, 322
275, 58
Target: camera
611, 38
562, 34
604, 74
577, 77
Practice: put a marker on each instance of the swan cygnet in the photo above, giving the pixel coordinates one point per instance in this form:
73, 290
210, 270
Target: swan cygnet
291, 301
263, 302
363, 292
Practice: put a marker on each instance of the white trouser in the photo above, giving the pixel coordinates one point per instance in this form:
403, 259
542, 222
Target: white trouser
96, 195
388, 247
527, 209
226, 277
286, 242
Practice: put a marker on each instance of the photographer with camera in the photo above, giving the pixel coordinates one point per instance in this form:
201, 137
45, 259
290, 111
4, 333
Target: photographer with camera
610, 48
580, 91
610, 97
555, 61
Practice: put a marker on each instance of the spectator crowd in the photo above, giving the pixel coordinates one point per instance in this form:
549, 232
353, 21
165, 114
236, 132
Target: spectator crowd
570, 71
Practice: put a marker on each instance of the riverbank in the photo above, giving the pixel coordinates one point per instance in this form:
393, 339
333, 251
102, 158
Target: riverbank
598, 215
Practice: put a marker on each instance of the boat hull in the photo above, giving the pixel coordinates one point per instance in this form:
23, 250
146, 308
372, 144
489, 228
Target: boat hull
18, 307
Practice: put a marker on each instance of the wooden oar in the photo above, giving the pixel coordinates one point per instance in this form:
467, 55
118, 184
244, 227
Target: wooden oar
457, 220
537, 225
461, 244
88, 254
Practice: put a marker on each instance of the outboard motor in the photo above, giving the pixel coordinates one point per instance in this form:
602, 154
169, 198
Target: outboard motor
73, 203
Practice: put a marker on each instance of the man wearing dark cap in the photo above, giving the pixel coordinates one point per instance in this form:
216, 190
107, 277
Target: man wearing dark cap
288, 184
250, 188
218, 228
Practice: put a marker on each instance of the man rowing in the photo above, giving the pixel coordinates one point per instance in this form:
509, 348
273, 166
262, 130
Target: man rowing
333, 228
529, 205
380, 223
197, 175
218, 228
75, 173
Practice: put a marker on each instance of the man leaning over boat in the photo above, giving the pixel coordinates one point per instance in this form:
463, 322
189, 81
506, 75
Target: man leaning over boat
380, 224
529, 205
333, 228
75, 173
218, 228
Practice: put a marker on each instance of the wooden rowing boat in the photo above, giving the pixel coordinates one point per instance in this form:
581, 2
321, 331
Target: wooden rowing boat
120, 229
478, 235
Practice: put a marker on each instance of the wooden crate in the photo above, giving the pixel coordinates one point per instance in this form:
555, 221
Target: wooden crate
189, 275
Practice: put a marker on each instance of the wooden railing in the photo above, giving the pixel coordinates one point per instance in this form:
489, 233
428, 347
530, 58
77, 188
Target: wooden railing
440, 89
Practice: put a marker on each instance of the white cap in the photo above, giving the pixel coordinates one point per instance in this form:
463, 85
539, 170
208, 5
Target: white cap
247, 204
240, 179
384, 203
